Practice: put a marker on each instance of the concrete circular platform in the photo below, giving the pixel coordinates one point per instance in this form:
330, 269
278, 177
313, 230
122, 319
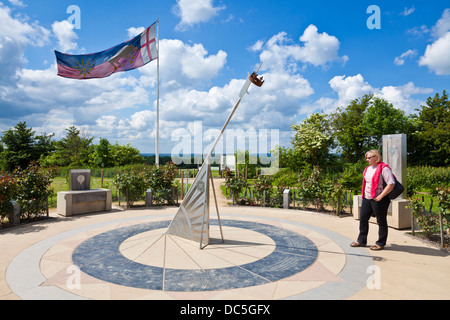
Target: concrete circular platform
268, 254
272, 259
186, 268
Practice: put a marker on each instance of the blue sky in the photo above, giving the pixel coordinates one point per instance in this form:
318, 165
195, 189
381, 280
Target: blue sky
317, 55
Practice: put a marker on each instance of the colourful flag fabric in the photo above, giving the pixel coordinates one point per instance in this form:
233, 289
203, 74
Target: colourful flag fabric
129, 55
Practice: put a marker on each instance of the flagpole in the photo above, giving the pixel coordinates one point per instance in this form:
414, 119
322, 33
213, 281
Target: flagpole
157, 102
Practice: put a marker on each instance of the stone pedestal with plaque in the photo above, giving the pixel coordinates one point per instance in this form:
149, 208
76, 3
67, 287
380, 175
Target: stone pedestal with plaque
81, 199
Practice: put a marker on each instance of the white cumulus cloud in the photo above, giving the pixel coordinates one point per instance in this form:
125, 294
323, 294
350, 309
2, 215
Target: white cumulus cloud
317, 49
64, 32
442, 26
350, 88
21, 30
320, 48
354, 87
16, 33
185, 65
437, 57
193, 12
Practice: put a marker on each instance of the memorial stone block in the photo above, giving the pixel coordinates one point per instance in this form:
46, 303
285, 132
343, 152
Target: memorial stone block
394, 154
80, 180
81, 199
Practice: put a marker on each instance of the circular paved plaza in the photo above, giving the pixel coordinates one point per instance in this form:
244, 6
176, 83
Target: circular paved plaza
268, 254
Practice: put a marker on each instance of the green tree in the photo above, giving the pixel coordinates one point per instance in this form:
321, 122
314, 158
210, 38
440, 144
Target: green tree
313, 139
125, 154
431, 140
44, 145
291, 158
382, 118
73, 150
349, 130
102, 154
77, 146
18, 147
246, 163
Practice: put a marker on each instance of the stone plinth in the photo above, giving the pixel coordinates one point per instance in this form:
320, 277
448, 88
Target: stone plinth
71, 203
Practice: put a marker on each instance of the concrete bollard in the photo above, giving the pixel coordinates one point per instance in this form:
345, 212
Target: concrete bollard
286, 198
14, 215
148, 198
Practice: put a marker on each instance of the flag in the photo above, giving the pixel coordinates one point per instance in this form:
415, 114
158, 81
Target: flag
129, 55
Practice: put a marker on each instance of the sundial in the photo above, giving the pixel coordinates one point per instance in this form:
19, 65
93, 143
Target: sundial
189, 256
